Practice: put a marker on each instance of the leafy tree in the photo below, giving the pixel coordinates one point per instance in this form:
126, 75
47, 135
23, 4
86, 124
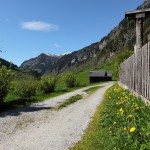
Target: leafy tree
25, 89
70, 80
48, 83
5, 80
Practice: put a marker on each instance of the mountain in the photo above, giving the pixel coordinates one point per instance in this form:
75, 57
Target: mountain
119, 39
42, 64
7, 64
52, 63
76, 58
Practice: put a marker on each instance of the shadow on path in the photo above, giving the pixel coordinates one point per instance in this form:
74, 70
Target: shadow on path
19, 111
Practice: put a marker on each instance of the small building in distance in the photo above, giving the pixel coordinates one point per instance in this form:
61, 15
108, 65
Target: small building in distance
98, 76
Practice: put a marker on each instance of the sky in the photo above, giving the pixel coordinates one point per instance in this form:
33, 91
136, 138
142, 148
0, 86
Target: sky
31, 27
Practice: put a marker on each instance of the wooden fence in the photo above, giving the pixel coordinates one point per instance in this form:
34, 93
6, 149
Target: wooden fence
135, 72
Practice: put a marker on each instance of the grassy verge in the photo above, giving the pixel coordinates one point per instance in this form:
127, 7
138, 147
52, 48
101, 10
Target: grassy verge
122, 122
12, 101
70, 100
92, 89
77, 97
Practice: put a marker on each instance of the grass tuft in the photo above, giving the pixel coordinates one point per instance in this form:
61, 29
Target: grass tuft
92, 89
70, 100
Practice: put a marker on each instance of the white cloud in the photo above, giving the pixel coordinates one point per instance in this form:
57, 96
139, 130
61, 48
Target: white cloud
57, 45
39, 26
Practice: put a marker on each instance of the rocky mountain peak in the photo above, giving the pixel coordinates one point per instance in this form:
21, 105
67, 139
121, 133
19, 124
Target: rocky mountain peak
42, 64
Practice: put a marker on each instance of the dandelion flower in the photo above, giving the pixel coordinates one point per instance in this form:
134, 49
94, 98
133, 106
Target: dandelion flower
114, 122
132, 129
121, 110
130, 116
124, 128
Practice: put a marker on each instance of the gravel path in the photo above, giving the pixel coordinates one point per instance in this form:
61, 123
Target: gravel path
38, 127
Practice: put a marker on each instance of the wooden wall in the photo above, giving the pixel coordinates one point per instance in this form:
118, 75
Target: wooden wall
135, 72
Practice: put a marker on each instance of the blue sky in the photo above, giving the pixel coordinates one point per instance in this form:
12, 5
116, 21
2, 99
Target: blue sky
31, 27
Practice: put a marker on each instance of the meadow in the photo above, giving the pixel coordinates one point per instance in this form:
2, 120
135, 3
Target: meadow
24, 89
122, 122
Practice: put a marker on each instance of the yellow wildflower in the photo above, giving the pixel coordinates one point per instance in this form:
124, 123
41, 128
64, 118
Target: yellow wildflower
124, 128
114, 122
130, 116
121, 110
132, 129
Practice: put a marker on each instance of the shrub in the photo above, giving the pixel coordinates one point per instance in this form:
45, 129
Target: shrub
48, 83
70, 80
25, 89
5, 81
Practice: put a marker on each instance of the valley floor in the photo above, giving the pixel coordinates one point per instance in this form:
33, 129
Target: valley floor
39, 127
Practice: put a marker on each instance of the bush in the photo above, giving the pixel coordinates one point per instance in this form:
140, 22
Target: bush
70, 80
5, 81
48, 83
25, 89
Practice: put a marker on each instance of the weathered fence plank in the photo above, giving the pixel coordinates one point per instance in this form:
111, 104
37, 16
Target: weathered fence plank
135, 72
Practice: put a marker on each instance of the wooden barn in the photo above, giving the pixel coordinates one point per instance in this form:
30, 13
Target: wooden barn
98, 76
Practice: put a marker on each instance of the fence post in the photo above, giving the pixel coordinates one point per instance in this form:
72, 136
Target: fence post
148, 71
135, 49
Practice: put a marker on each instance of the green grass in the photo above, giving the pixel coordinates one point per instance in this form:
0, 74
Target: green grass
92, 89
21, 75
12, 101
83, 77
70, 100
109, 67
83, 73
121, 122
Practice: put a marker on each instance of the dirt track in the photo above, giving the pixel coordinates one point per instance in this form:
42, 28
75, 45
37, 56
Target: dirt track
38, 127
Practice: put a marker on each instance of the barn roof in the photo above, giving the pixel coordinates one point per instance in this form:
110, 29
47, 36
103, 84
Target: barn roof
98, 73
109, 73
101, 73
